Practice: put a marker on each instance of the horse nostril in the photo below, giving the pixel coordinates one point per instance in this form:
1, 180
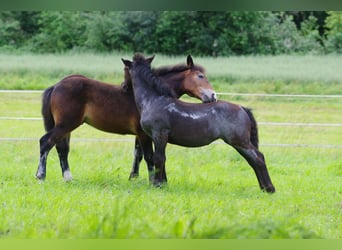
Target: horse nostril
208, 96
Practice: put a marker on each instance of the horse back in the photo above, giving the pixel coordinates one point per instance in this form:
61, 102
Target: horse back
77, 99
196, 124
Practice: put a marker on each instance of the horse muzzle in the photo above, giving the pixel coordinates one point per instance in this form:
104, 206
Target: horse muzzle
208, 95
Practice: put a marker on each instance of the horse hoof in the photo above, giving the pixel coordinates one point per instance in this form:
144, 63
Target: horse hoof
159, 184
156, 184
67, 176
133, 176
270, 189
40, 177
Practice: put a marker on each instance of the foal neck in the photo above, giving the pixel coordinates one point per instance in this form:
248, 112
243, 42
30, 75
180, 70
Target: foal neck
173, 77
146, 77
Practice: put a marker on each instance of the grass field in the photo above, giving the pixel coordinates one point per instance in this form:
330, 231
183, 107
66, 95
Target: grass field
211, 193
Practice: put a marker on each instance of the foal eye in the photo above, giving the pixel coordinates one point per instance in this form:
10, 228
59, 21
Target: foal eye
201, 76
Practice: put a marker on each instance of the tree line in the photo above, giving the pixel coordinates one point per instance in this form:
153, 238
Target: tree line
202, 33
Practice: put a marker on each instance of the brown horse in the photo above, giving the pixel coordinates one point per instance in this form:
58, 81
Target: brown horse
168, 120
77, 99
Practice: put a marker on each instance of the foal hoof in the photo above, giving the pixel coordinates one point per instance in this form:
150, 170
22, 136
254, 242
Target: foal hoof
133, 176
159, 184
270, 189
40, 176
67, 176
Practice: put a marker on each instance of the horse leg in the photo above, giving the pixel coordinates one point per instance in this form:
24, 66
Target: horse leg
160, 141
257, 161
63, 148
138, 155
45, 147
46, 143
147, 148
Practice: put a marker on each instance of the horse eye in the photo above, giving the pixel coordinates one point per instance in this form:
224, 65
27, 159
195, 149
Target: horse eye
201, 76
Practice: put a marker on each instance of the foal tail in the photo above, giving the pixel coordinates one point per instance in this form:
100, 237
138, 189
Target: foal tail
254, 128
49, 122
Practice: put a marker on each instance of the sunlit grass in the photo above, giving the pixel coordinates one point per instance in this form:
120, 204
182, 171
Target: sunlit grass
212, 193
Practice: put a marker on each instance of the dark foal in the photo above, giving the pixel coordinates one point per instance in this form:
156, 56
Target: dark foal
77, 99
166, 119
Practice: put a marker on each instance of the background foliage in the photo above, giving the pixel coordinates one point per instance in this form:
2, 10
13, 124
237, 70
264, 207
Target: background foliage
201, 33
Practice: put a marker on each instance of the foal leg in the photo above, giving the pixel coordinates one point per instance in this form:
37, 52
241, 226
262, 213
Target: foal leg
257, 161
63, 148
160, 140
45, 147
138, 155
46, 143
147, 148
143, 147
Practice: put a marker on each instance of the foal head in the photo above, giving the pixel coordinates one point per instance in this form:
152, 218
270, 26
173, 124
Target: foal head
196, 83
183, 78
140, 71
188, 79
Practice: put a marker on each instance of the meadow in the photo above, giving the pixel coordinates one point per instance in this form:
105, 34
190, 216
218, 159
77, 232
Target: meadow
211, 191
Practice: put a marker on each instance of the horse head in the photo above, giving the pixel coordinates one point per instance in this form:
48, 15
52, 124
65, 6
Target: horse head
196, 83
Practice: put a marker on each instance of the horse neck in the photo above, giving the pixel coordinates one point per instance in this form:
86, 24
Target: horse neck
143, 92
148, 86
175, 82
127, 83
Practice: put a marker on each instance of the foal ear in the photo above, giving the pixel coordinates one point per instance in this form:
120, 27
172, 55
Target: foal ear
150, 59
127, 63
189, 62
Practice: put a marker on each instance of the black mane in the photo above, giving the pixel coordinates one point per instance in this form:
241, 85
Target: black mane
151, 79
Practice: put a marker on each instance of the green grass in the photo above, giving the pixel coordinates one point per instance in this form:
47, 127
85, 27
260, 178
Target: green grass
262, 74
211, 193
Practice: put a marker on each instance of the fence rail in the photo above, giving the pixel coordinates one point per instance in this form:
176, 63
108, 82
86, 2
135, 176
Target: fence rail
294, 124
219, 93
280, 95
131, 140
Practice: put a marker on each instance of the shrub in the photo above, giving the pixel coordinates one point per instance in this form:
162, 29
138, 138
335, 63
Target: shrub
333, 24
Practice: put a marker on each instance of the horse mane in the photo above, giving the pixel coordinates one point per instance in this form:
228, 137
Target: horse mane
165, 70
126, 85
152, 79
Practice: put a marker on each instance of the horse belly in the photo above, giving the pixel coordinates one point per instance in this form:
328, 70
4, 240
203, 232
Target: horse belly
113, 122
189, 143
192, 135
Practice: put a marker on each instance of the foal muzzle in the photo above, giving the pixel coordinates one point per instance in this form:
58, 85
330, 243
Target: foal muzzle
208, 95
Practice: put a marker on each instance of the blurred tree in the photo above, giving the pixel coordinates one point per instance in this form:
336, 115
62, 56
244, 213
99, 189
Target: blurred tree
334, 32
301, 16
138, 30
59, 31
102, 29
174, 32
10, 30
204, 33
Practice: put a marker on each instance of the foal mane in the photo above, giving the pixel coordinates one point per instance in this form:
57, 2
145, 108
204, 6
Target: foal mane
165, 70
151, 78
126, 85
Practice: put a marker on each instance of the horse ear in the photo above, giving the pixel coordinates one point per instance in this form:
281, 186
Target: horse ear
150, 59
189, 62
127, 63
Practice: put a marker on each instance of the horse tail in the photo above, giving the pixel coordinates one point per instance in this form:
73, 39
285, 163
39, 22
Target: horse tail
254, 127
49, 122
